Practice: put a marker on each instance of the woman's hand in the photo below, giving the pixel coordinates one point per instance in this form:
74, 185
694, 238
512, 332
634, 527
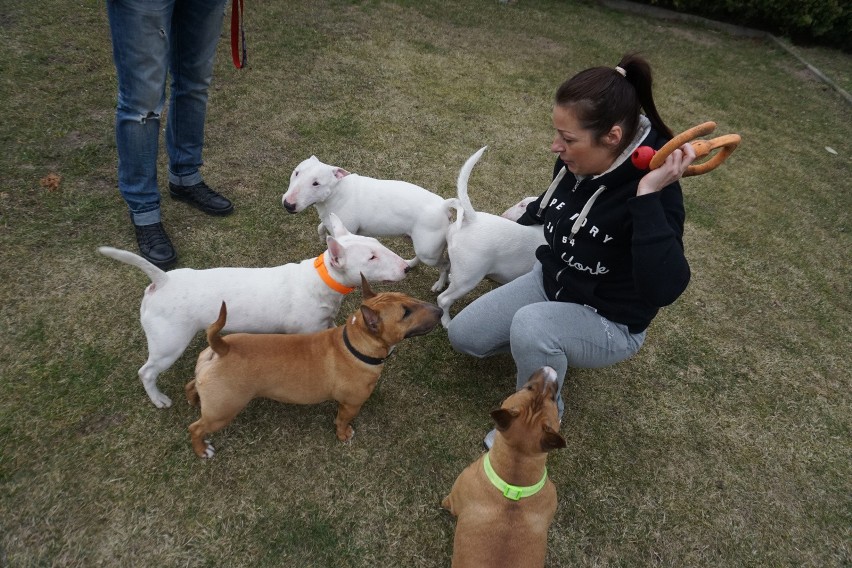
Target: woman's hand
668, 173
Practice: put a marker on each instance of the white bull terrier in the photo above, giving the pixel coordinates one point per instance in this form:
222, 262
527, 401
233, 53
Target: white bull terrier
299, 297
515, 212
374, 207
481, 245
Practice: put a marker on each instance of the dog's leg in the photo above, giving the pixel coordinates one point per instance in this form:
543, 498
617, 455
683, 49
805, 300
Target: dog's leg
413, 262
444, 267
321, 232
204, 427
453, 292
192, 394
345, 414
163, 350
148, 373
202, 448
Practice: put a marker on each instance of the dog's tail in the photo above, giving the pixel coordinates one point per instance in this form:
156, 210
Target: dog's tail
219, 346
157, 276
466, 209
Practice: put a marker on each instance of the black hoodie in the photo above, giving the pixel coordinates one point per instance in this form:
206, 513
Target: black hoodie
626, 260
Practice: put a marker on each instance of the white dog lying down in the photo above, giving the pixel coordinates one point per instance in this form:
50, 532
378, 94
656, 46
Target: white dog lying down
514, 212
374, 207
299, 297
481, 245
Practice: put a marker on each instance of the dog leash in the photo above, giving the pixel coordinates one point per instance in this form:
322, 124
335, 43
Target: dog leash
319, 264
238, 35
358, 355
513, 492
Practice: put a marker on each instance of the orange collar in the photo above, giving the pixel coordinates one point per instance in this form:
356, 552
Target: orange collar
319, 264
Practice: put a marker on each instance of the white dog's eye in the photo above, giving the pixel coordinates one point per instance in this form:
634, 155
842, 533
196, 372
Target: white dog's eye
316, 183
373, 257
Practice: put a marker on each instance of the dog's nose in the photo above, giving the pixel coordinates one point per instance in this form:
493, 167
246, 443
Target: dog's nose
290, 207
407, 269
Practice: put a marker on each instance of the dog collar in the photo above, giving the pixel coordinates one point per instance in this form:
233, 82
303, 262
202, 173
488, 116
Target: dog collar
358, 355
319, 264
512, 492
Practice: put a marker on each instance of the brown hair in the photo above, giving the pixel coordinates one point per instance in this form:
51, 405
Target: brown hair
601, 98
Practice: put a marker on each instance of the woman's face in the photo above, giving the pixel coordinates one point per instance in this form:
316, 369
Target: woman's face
576, 147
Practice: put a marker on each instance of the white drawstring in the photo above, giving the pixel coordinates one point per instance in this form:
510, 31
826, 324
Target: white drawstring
550, 190
583, 214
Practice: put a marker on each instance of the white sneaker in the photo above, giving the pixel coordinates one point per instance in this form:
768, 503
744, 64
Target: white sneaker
489, 439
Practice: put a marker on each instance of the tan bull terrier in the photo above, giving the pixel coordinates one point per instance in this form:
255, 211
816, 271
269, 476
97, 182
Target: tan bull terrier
342, 363
504, 501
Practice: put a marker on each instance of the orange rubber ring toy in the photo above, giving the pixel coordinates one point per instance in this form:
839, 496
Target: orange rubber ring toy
726, 144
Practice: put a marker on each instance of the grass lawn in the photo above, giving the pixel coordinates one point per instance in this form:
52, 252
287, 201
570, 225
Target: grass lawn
725, 442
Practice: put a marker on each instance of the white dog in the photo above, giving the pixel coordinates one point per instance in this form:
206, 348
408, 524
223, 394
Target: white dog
481, 245
299, 297
514, 212
374, 207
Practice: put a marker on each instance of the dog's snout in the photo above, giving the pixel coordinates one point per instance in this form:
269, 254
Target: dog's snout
290, 207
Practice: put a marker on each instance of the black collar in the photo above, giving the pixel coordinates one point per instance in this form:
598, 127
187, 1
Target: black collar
360, 356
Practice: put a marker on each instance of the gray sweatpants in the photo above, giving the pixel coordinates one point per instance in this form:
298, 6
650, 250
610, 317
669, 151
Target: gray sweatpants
518, 317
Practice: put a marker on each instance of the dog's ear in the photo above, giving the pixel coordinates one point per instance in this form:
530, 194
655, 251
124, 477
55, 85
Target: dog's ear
503, 417
336, 252
340, 173
337, 229
366, 291
551, 440
313, 158
371, 318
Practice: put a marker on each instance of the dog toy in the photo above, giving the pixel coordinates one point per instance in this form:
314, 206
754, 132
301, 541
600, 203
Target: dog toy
646, 158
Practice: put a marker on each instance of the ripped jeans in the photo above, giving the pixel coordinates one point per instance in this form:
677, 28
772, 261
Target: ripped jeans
150, 39
518, 317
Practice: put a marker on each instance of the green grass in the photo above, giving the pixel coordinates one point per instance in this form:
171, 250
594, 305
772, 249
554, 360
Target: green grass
724, 442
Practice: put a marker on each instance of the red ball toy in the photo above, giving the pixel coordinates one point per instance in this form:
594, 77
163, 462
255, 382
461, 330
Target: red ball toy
641, 157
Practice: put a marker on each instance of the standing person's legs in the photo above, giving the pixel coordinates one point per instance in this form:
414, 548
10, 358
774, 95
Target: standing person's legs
141, 54
196, 27
195, 30
563, 335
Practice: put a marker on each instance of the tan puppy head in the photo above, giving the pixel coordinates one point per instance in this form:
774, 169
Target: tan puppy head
393, 316
528, 421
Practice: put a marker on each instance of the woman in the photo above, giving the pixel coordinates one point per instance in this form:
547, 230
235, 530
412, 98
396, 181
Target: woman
614, 252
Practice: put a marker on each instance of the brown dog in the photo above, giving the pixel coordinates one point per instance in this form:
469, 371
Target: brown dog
501, 524
342, 363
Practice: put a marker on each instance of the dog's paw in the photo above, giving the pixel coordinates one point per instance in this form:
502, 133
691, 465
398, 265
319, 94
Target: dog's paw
160, 400
347, 435
209, 451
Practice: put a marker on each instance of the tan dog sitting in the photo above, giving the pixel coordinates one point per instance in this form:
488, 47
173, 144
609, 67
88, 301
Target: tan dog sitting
342, 363
504, 501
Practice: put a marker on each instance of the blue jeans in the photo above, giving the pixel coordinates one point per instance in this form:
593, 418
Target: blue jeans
150, 39
518, 317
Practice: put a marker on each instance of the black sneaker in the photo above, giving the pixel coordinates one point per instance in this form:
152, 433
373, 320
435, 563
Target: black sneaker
202, 197
155, 246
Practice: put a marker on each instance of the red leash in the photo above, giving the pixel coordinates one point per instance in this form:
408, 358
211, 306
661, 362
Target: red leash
238, 35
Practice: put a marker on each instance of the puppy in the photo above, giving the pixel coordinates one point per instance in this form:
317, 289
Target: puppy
341, 364
504, 500
291, 298
374, 207
481, 245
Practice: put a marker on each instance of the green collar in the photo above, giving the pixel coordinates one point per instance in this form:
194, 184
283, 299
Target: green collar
512, 492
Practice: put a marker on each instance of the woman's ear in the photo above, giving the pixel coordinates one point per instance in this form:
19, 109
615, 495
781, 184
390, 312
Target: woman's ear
613, 137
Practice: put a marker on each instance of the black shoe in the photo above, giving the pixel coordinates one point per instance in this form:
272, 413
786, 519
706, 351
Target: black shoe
155, 246
202, 197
